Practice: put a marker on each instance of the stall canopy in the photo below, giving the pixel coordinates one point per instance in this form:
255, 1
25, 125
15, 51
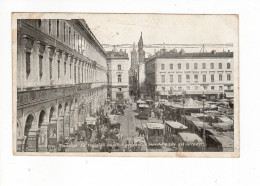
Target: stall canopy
226, 142
155, 126
190, 137
192, 104
200, 125
222, 126
176, 125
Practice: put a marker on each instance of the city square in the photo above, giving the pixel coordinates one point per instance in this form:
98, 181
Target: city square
75, 94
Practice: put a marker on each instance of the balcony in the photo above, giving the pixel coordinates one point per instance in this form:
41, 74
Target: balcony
48, 93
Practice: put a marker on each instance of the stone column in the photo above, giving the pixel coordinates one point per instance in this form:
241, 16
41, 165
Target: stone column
43, 138
60, 127
76, 118
72, 127
31, 145
52, 135
67, 125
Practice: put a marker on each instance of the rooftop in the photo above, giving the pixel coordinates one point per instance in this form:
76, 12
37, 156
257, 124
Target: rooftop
115, 54
163, 53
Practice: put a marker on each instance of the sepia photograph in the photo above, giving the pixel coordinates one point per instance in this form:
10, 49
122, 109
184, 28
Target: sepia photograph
139, 85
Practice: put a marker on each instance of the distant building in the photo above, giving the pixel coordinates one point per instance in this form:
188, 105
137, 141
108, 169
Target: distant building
118, 80
168, 73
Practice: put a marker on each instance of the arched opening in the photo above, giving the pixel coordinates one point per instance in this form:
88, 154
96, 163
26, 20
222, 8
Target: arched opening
51, 116
59, 110
42, 135
27, 129
66, 108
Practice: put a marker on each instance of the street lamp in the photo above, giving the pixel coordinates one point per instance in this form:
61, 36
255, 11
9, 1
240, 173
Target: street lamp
183, 102
203, 101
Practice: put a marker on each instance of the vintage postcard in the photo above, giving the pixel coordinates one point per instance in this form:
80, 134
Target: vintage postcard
134, 85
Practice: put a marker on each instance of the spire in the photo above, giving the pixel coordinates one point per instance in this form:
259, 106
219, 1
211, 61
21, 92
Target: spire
140, 43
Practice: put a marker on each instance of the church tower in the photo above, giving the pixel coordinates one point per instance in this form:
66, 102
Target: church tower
141, 68
133, 57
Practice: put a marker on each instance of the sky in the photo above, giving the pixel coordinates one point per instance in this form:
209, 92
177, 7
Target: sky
116, 29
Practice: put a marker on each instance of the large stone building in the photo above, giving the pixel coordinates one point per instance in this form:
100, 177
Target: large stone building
61, 78
118, 80
170, 73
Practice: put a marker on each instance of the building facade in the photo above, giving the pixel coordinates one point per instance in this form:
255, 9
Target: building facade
61, 79
118, 79
170, 73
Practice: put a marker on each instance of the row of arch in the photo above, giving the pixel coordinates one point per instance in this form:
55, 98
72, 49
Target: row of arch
34, 134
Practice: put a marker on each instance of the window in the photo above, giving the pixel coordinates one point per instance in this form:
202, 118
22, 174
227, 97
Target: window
39, 23
203, 65
119, 89
58, 28
65, 67
64, 32
78, 43
49, 26
171, 89
196, 87
75, 74
70, 70
212, 78
69, 34
179, 88
40, 66
179, 78
179, 66
78, 74
163, 78
220, 65
118, 67
74, 39
171, 78
211, 65
228, 77
196, 78
119, 78
188, 87
50, 66
162, 66
187, 66
204, 78
195, 65
228, 65
212, 87
188, 78
58, 69
163, 89
28, 63
220, 88
220, 77
171, 66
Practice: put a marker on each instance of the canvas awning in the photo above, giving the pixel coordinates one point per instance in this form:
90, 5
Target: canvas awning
176, 125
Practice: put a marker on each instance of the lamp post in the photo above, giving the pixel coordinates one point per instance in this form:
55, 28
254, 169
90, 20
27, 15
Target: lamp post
183, 102
203, 101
